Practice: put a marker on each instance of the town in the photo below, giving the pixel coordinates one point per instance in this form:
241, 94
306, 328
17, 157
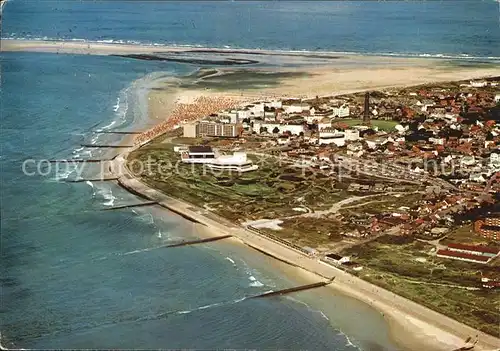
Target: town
389, 185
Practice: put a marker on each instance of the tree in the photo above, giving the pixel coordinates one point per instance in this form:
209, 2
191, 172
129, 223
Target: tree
276, 130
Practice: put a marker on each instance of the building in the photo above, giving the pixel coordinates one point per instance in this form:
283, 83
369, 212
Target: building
478, 84
190, 130
237, 162
205, 155
488, 227
211, 129
331, 136
490, 282
462, 256
336, 259
351, 134
296, 108
198, 154
294, 129
341, 111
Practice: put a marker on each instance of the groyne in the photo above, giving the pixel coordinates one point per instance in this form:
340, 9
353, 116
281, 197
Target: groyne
91, 180
142, 204
97, 146
77, 160
199, 241
125, 133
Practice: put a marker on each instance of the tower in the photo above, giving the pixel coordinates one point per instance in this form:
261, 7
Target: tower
366, 113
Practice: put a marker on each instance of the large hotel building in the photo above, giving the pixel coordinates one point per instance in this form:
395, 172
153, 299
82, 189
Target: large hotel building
210, 129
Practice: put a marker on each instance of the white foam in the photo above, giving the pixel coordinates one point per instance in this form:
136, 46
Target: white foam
256, 284
138, 251
349, 343
62, 175
230, 260
107, 194
117, 105
146, 218
284, 50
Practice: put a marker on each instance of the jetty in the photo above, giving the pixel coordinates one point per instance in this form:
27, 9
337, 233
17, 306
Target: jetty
91, 180
109, 132
78, 160
199, 241
107, 146
142, 204
294, 289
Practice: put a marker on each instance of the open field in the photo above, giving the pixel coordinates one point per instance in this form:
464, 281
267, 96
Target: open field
409, 268
269, 192
381, 124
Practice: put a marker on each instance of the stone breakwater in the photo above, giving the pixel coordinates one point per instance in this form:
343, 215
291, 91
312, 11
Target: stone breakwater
186, 112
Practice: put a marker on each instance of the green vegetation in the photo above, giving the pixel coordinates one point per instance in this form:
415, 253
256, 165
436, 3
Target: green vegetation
408, 268
270, 192
465, 235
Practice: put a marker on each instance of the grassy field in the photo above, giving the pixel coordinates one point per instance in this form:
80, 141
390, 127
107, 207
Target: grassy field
383, 125
465, 235
408, 268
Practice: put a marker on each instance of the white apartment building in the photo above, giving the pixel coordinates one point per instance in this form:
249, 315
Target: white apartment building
294, 129
341, 111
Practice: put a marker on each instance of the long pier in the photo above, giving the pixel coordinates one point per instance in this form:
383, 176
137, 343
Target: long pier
91, 180
106, 146
199, 241
149, 203
294, 289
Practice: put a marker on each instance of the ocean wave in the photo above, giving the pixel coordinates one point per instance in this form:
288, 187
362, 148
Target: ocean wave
349, 343
217, 304
230, 260
62, 175
235, 49
254, 282
107, 194
309, 308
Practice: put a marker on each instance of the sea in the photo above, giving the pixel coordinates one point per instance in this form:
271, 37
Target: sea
75, 276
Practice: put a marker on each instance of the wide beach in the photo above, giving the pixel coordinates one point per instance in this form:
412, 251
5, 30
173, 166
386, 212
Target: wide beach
171, 101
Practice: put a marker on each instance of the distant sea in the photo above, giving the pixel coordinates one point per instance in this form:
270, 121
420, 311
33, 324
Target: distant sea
73, 276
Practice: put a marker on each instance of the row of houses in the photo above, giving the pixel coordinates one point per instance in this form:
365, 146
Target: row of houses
469, 253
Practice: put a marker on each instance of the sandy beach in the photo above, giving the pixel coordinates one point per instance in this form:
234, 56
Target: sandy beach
412, 326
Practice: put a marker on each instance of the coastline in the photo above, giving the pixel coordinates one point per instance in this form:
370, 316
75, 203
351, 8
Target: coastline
429, 328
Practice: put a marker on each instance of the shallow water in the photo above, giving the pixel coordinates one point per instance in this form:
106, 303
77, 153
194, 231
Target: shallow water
421, 28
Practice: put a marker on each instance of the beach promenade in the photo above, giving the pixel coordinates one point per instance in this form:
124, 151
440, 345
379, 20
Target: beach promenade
413, 326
